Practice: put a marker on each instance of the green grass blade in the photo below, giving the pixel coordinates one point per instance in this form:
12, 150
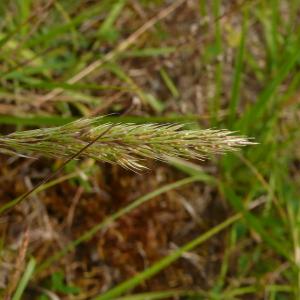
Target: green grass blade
24, 14
146, 97
58, 30
107, 26
215, 101
256, 224
238, 73
25, 279
255, 112
65, 15
192, 169
169, 83
148, 52
74, 87
35, 120
55, 120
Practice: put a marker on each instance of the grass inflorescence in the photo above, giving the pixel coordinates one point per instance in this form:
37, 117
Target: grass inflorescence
124, 144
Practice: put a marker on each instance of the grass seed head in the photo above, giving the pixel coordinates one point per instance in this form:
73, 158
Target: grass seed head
123, 144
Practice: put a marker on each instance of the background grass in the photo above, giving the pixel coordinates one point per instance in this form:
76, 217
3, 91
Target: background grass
221, 64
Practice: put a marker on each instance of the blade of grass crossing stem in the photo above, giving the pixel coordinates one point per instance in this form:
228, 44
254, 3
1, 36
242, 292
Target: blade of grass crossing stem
24, 279
90, 233
166, 261
235, 93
